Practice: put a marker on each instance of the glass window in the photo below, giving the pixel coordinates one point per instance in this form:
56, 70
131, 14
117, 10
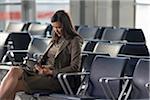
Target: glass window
10, 10
46, 8
142, 18
143, 1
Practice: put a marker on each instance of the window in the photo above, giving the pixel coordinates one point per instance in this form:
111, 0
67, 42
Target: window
46, 8
142, 18
10, 10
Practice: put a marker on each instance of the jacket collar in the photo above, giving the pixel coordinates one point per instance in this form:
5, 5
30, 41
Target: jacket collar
50, 44
64, 44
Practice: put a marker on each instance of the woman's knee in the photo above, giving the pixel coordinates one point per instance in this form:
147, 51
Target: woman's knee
16, 71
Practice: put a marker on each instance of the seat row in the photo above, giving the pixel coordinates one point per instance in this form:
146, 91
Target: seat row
116, 47
111, 33
14, 47
22, 41
105, 80
87, 32
97, 65
14, 43
103, 49
34, 28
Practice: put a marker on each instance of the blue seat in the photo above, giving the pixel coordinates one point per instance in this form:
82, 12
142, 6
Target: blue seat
35, 49
106, 67
16, 41
89, 45
134, 35
114, 34
38, 45
88, 59
108, 48
79, 26
101, 30
134, 48
88, 32
130, 67
102, 66
138, 89
40, 30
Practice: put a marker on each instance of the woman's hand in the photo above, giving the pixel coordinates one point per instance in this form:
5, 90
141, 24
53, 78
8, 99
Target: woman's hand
43, 70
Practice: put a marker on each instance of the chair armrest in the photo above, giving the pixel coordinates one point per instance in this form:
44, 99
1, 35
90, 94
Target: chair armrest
59, 76
38, 55
62, 77
11, 53
94, 53
106, 81
72, 97
72, 74
4, 67
147, 85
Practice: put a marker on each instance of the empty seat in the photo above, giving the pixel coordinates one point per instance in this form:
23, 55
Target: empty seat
108, 48
134, 35
88, 45
140, 79
106, 67
14, 27
102, 66
88, 32
36, 49
101, 30
114, 34
37, 29
84, 45
77, 27
130, 67
87, 62
38, 46
20, 41
138, 49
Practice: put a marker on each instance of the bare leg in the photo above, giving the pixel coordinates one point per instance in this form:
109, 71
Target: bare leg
10, 97
11, 84
20, 87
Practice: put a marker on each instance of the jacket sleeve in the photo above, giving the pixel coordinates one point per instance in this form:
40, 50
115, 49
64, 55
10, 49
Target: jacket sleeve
75, 62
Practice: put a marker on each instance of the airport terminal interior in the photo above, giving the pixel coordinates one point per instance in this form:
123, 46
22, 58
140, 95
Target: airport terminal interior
115, 55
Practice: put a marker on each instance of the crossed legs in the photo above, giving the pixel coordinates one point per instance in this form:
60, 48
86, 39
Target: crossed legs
11, 84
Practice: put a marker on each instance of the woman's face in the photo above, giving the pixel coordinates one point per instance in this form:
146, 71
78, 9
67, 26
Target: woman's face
58, 29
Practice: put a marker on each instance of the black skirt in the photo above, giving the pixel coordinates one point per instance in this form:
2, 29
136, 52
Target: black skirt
36, 82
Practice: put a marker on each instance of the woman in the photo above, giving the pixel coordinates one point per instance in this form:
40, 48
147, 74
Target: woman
62, 55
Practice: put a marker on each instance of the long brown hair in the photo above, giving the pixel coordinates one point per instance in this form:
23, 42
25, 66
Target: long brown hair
68, 28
